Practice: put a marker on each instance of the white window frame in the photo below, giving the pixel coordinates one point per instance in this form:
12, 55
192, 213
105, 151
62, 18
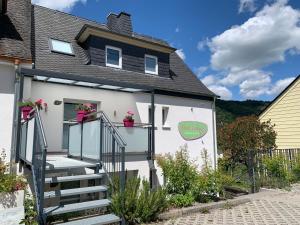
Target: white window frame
156, 67
120, 58
58, 51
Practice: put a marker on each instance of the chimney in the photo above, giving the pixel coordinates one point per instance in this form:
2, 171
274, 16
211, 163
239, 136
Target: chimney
3, 7
120, 23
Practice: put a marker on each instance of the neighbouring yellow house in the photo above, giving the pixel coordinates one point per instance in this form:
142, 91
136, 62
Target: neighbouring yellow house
284, 112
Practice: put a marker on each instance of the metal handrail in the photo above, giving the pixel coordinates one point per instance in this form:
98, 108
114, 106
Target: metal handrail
116, 133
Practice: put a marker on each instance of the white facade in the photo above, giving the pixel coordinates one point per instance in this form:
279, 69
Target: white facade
115, 104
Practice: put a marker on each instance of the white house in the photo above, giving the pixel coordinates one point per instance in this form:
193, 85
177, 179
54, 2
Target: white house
67, 60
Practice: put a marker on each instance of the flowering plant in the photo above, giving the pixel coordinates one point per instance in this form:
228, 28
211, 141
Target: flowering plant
39, 103
129, 116
88, 107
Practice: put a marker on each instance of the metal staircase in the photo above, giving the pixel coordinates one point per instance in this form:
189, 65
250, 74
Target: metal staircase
48, 179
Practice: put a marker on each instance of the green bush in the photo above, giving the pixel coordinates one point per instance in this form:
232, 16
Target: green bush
277, 174
180, 200
179, 172
141, 204
9, 182
30, 212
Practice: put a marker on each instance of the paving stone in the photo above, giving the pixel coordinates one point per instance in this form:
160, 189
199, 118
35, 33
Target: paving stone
270, 207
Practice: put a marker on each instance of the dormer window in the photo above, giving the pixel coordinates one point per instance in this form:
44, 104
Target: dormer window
151, 65
113, 57
61, 47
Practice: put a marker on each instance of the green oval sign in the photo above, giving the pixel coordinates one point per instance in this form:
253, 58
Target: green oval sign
192, 130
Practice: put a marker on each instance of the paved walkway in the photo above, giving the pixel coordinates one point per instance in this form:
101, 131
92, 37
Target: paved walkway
267, 207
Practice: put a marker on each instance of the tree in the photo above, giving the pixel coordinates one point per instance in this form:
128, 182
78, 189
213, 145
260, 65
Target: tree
245, 133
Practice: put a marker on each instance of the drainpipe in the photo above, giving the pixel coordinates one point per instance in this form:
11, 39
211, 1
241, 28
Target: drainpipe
214, 132
14, 156
152, 166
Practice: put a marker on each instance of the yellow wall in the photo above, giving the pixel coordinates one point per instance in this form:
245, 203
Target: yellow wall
285, 114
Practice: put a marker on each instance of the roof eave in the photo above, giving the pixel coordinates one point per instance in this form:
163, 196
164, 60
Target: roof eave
88, 30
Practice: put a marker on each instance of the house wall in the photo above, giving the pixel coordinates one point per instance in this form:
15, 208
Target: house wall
133, 58
7, 99
7, 75
116, 104
285, 114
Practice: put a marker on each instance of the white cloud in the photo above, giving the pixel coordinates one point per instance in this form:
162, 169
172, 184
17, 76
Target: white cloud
177, 29
242, 52
280, 85
247, 5
222, 91
200, 70
208, 80
62, 5
180, 53
201, 45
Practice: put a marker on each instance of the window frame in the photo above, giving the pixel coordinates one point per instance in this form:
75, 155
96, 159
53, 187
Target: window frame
120, 57
58, 51
156, 66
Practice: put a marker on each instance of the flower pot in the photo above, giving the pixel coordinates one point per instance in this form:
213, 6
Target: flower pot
80, 117
26, 111
128, 123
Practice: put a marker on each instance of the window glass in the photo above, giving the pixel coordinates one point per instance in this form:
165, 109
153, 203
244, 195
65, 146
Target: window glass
69, 114
113, 57
151, 64
61, 46
165, 111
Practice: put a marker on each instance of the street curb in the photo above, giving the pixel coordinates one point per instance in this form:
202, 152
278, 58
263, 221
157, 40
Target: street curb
175, 213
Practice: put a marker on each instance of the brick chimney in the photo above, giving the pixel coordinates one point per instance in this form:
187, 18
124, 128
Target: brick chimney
120, 23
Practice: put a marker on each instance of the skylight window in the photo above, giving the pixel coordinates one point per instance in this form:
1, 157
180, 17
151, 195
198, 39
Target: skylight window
113, 57
151, 66
61, 47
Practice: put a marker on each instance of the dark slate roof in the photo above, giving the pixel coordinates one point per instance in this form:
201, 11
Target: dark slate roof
15, 32
62, 26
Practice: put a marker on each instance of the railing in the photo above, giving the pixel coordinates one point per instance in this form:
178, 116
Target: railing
98, 139
33, 150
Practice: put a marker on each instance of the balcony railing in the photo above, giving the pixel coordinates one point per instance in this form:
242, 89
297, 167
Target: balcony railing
85, 139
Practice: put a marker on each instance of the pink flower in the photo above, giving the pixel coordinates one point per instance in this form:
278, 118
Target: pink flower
39, 101
130, 113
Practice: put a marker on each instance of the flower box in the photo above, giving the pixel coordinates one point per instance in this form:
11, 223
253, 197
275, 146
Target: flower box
26, 112
128, 123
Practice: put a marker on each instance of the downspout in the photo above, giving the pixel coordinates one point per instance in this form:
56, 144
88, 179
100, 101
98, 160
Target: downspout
152, 166
14, 156
214, 132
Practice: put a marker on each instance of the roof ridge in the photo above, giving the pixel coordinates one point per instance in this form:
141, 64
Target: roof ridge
69, 14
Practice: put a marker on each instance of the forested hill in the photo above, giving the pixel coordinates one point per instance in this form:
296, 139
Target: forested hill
227, 111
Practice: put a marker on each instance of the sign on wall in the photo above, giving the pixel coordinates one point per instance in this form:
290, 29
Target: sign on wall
192, 130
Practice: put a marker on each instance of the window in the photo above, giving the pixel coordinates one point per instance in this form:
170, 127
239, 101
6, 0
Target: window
151, 64
165, 111
61, 47
113, 57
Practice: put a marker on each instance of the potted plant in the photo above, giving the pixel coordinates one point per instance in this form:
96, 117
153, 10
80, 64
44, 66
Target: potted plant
128, 120
27, 106
83, 110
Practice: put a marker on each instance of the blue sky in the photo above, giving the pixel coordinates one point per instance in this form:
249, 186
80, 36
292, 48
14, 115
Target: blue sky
241, 49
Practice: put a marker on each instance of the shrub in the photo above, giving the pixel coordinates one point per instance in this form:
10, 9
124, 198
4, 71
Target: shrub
277, 175
180, 200
179, 172
30, 212
141, 204
9, 182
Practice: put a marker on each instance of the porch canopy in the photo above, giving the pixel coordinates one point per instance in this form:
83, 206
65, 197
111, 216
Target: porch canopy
85, 81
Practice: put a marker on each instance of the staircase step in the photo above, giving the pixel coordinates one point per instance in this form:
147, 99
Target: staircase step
74, 191
63, 163
56, 210
73, 178
97, 220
